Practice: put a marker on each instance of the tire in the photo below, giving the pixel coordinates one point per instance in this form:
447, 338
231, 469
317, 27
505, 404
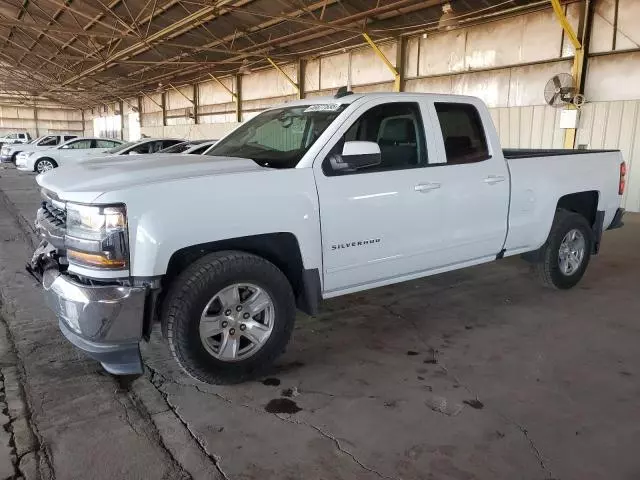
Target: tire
14, 157
199, 288
44, 165
550, 265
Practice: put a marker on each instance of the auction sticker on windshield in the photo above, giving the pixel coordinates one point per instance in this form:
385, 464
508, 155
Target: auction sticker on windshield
323, 107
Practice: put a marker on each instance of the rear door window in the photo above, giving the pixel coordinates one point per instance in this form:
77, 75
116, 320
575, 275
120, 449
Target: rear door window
462, 133
105, 144
79, 144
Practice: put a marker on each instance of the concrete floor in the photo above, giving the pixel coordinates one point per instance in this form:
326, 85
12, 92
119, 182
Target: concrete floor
476, 374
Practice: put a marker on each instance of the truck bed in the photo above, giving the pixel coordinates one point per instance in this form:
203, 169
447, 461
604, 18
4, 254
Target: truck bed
512, 153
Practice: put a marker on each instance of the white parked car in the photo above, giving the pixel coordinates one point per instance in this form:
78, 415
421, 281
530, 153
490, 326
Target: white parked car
9, 153
70, 151
191, 147
311, 200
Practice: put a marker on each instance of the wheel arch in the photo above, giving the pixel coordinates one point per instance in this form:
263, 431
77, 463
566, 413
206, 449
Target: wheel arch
585, 203
280, 248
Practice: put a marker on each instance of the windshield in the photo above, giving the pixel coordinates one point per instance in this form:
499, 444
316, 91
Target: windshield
278, 138
119, 148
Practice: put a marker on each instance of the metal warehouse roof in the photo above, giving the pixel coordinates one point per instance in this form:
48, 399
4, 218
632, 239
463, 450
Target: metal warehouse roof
83, 52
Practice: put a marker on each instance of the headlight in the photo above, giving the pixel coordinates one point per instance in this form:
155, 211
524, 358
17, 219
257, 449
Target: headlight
97, 236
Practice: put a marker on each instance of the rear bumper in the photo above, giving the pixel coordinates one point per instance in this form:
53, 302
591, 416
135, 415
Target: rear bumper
103, 321
5, 158
617, 220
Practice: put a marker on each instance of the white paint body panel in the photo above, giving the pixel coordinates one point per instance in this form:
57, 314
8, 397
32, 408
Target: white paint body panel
411, 228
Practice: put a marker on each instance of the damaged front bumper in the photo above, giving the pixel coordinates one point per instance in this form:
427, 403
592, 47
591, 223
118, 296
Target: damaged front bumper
103, 320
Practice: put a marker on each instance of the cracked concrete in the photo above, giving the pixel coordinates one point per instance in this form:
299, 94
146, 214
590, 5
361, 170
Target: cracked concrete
546, 381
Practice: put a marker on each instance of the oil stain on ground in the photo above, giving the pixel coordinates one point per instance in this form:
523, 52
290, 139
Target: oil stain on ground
477, 404
282, 405
271, 382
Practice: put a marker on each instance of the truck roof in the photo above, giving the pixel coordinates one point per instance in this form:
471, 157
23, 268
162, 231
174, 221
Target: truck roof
350, 98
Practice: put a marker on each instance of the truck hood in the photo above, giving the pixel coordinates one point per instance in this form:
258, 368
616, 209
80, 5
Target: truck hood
86, 180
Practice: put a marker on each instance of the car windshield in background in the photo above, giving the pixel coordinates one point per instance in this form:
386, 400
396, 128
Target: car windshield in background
179, 147
278, 138
121, 147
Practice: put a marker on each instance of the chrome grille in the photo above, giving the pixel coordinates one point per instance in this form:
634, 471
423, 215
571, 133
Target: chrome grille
54, 215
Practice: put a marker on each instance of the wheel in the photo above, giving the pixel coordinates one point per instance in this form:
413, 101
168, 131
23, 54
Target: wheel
228, 316
565, 255
14, 157
44, 165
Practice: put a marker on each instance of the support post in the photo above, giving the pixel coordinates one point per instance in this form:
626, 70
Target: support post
196, 103
579, 41
397, 80
84, 133
35, 117
238, 98
287, 77
164, 109
300, 69
140, 110
401, 48
121, 120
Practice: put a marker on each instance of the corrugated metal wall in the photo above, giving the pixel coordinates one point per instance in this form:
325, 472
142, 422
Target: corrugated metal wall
602, 125
616, 125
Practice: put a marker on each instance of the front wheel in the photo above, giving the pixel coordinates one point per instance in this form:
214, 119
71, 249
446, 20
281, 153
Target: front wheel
565, 255
228, 316
44, 165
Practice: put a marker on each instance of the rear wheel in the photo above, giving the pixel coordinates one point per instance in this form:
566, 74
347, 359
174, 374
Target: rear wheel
228, 316
44, 165
565, 255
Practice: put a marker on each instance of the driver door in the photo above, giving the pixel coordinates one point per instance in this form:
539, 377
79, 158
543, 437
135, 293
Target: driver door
374, 220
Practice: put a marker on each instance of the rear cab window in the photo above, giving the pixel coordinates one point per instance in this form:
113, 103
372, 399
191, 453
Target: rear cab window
462, 133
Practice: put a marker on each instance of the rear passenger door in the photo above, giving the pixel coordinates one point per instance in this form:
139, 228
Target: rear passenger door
474, 182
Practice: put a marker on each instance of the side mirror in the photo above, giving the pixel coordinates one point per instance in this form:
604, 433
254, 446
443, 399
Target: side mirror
357, 155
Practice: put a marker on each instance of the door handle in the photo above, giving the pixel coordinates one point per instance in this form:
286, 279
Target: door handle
493, 179
425, 187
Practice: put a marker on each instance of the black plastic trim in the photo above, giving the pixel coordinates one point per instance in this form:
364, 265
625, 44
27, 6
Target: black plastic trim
308, 299
598, 226
617, 219
513, 153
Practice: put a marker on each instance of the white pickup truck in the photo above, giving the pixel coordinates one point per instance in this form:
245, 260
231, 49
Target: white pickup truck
306, 201
9, 153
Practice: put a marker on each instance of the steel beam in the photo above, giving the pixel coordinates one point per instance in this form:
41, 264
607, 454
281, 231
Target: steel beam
397, 80
190, 100
284, 74
221, 83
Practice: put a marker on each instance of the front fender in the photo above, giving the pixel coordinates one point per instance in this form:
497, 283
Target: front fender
166, 217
